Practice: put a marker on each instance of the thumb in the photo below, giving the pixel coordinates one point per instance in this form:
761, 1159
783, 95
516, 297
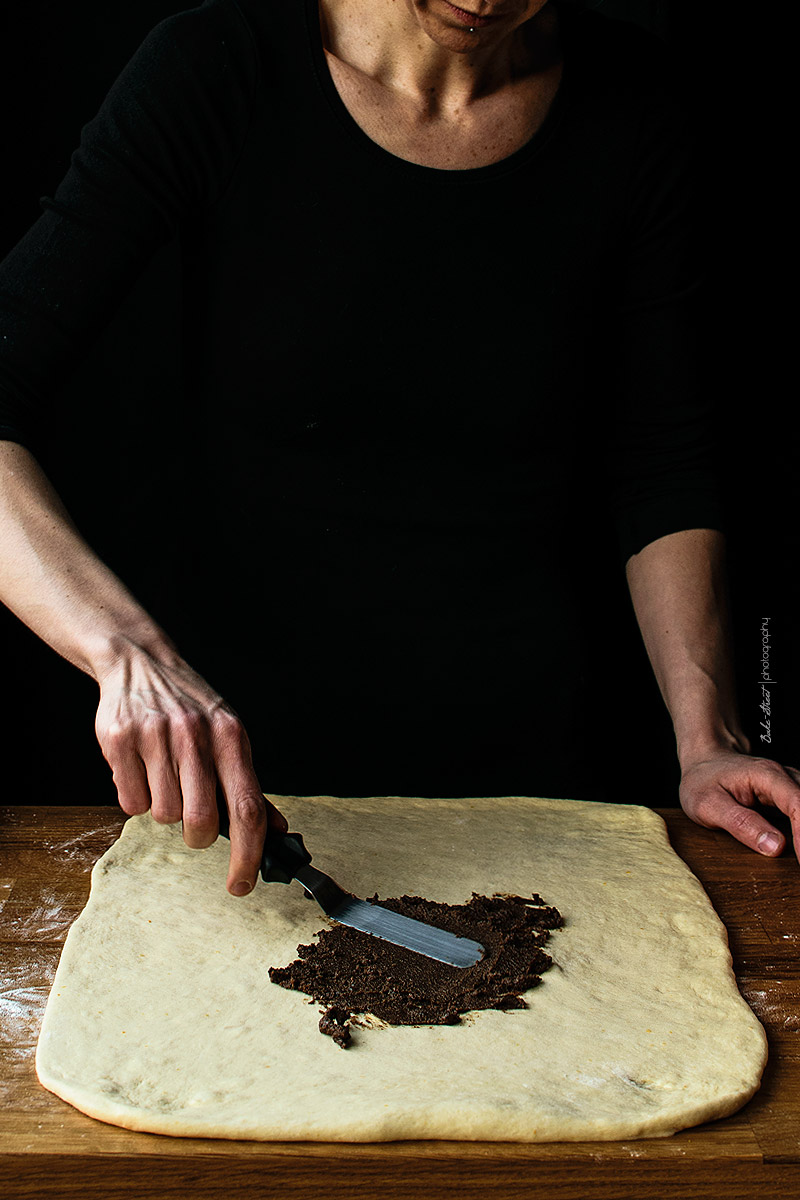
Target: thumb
721, 811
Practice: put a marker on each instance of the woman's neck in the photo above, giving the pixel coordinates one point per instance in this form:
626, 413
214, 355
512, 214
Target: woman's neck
388, 43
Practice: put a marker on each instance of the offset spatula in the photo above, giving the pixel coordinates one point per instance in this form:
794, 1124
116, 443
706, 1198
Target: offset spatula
286, 858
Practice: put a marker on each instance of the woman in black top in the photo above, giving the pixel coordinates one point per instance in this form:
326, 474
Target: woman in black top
440, 279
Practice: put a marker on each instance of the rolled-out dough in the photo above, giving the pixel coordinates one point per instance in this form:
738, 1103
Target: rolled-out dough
162, 1016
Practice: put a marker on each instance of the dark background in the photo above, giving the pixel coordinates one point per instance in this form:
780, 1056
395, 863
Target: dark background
64, 56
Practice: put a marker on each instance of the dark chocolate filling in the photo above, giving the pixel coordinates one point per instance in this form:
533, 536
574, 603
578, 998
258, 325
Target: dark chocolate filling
352, 973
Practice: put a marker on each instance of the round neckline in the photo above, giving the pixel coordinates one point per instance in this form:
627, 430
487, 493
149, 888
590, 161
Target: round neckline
391, 161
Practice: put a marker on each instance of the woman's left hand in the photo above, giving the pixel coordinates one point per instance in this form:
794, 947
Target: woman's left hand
720, 790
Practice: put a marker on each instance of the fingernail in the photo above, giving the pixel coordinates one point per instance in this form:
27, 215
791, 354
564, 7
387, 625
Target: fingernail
242, 888
768, 843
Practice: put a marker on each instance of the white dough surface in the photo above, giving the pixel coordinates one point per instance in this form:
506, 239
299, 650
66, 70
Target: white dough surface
162, 1016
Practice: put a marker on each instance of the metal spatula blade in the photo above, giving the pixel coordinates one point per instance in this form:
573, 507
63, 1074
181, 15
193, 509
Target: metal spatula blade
285, 858
381, 922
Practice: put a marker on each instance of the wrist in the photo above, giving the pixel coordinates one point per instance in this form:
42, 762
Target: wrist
118, 648
701, 745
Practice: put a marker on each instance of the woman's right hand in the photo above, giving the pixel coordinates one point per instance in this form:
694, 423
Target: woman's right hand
170, 740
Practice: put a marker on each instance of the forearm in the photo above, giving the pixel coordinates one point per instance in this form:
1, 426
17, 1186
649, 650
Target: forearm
54, 581
678, 588
171, 741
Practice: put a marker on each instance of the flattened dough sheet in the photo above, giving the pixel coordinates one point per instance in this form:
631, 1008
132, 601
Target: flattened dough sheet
162, 1016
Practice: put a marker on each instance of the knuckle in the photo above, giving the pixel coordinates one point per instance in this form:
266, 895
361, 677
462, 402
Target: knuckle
189, 725
250, 809
115, 738
230, 735
227, 725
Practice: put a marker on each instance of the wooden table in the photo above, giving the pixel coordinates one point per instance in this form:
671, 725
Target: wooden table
49, 1149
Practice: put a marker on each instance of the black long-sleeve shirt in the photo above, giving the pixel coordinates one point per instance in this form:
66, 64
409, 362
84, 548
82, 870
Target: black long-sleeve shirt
418, 396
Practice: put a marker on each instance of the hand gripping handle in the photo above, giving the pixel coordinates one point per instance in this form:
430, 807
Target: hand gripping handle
284, 853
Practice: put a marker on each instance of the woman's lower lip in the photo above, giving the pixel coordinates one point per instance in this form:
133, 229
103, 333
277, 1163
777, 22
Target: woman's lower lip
468, 18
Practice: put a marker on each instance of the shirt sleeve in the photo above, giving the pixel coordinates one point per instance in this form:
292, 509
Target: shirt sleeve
662, 454
164, 144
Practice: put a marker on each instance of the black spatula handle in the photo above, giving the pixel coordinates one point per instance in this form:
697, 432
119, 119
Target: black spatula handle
284, 853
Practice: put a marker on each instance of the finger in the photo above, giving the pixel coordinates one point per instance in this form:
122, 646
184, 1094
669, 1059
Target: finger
198, 785
777, 787
162, 777
794, 772
782, 792
248, 827
794, 811
127, 769
794, 817
247, 807
721, 811
130, 780
197, 779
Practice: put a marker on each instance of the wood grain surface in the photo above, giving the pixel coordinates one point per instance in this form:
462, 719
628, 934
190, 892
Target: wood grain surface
49, 1149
